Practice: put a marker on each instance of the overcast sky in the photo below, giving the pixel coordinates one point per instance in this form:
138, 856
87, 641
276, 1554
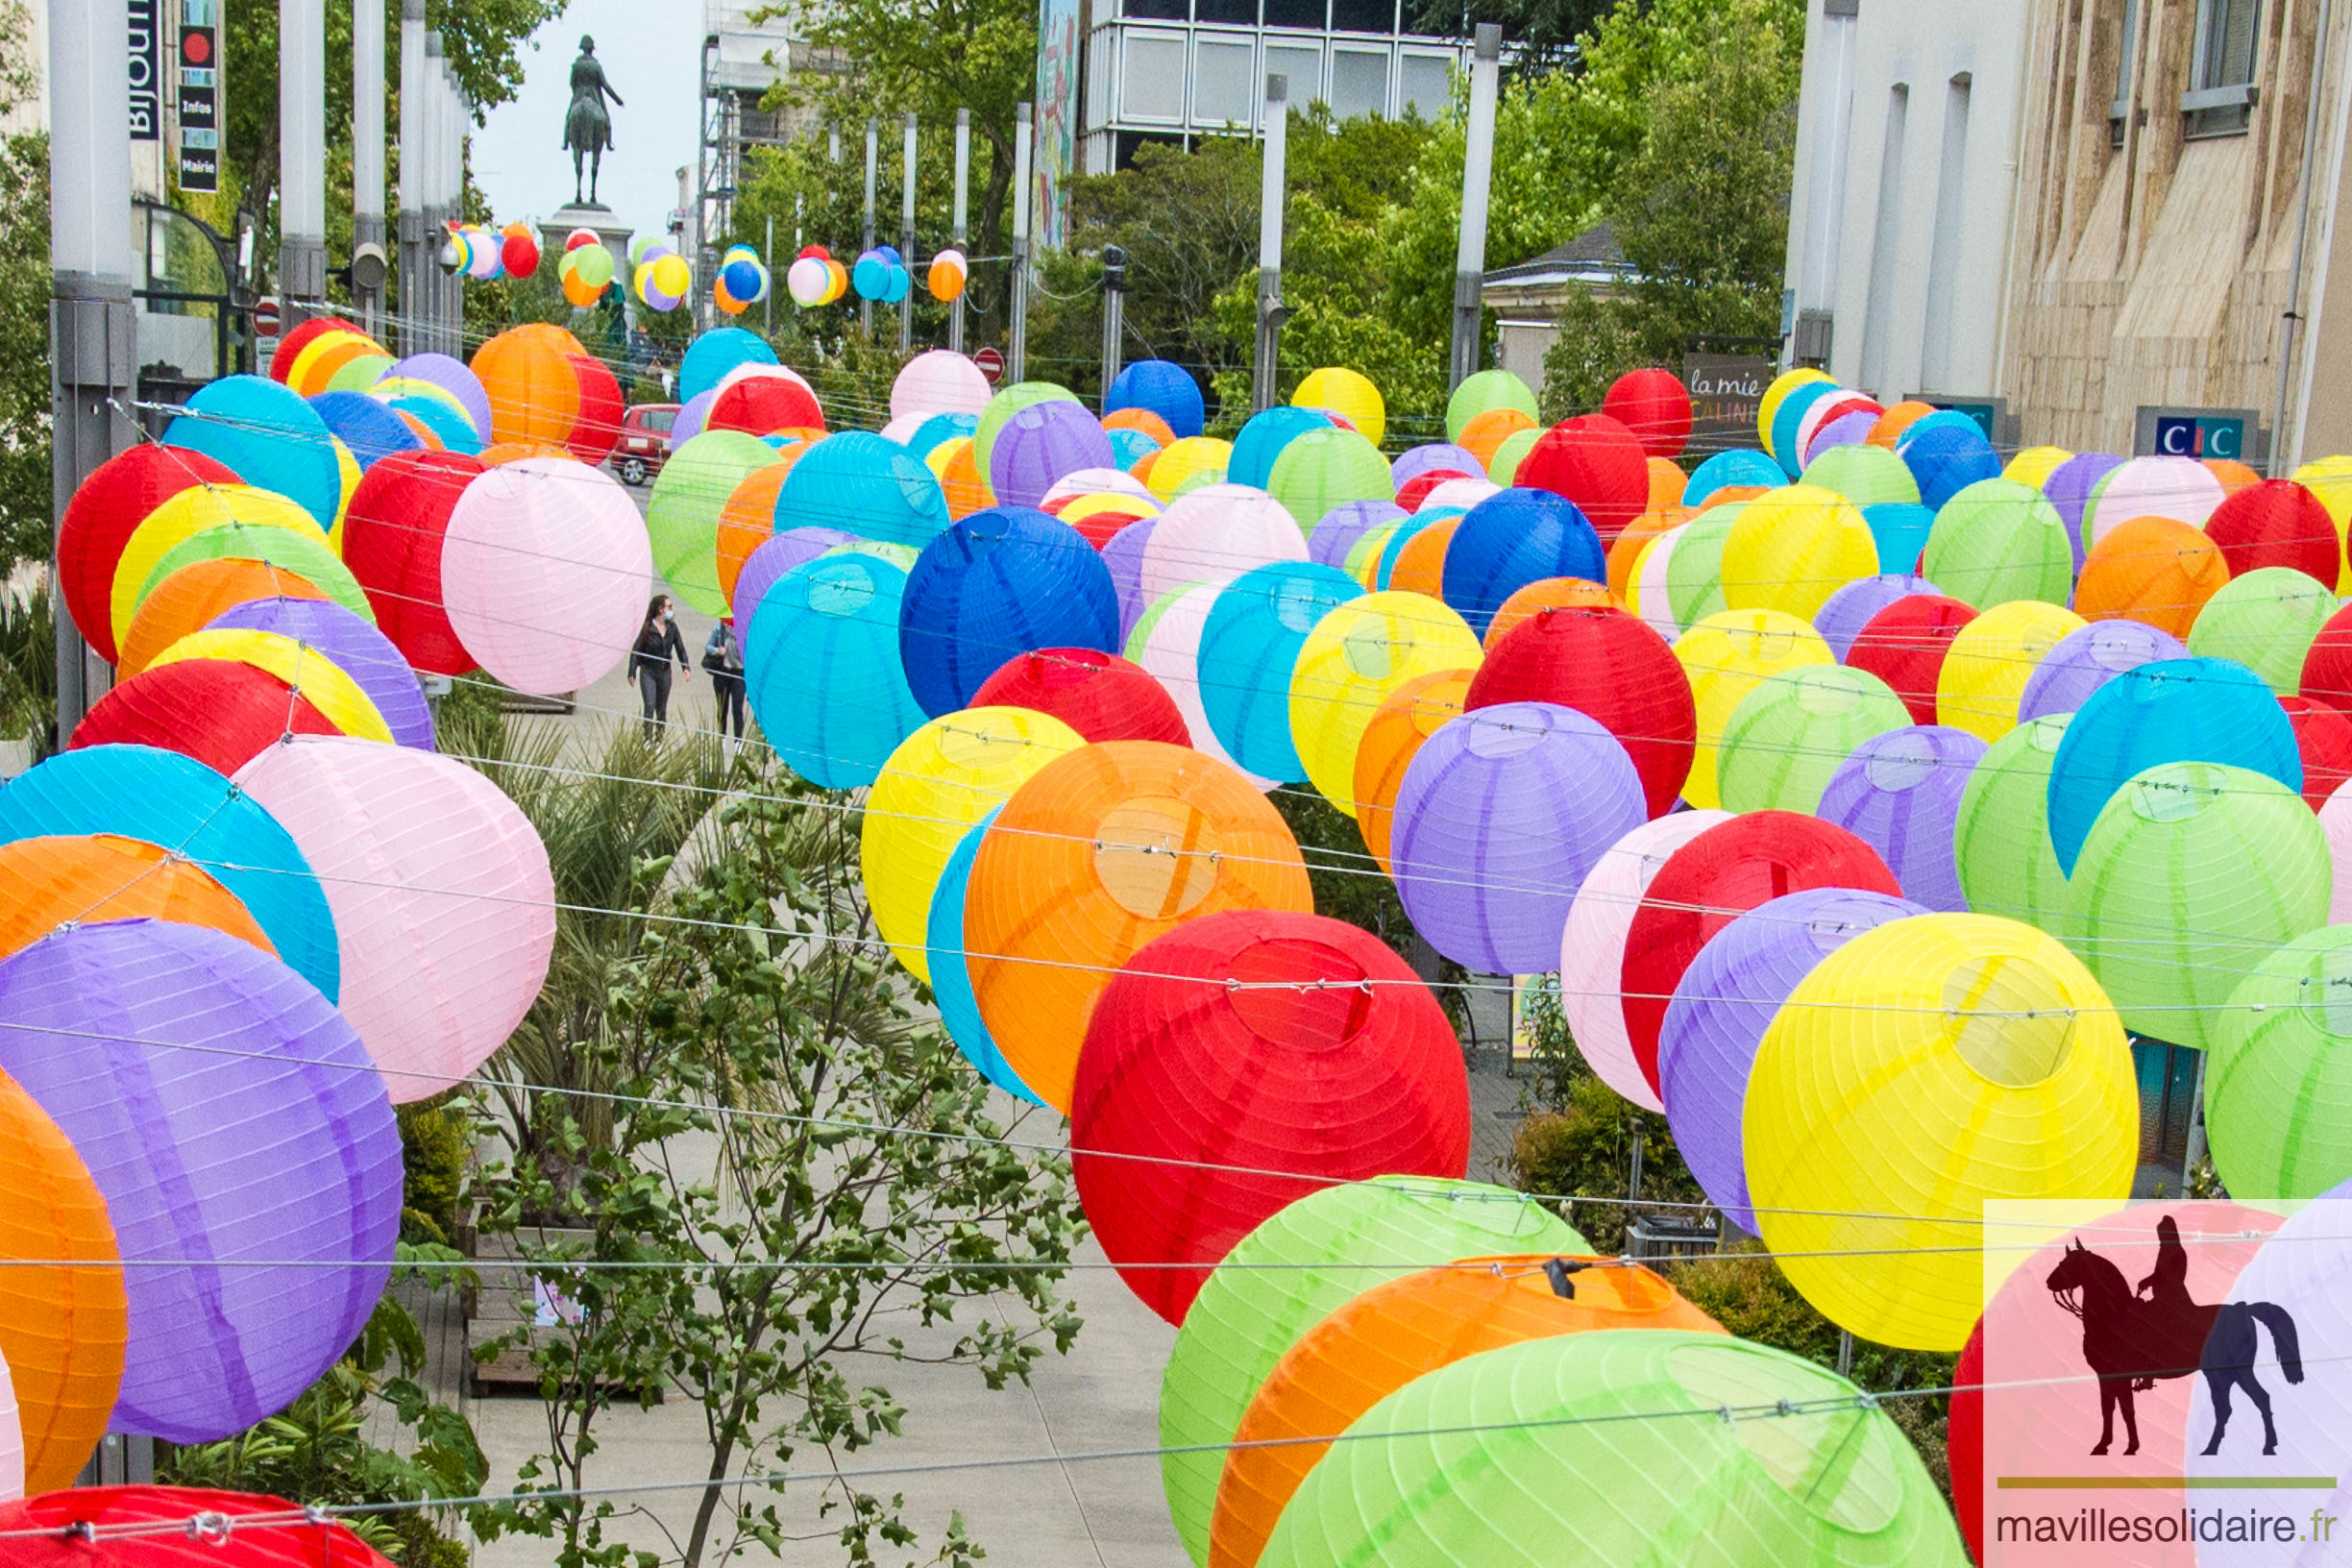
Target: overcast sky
650, 55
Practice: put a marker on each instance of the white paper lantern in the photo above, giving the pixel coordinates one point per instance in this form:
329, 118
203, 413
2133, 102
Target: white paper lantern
546, 570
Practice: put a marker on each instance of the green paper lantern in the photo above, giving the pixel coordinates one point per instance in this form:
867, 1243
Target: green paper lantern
1865, 474
1294, 1270
1790, 733
306, 555
1328, 467
2278, 1086
2264, 621
1504, 468
1611, 1447
1003, 406
682, 517
2192, 874
1997, 541
1484, 391
1694, 571
2002, 839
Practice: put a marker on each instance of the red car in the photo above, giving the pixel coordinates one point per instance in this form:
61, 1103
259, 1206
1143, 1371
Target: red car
645, 441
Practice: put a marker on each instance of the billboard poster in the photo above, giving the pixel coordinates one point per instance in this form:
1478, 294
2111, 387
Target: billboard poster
1059, 42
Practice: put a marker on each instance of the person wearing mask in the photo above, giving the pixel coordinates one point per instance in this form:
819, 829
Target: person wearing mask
658, 641
723, 661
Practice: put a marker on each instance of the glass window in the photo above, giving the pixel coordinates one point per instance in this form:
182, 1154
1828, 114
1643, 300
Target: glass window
1364, 16
2123, 58
1232, 12
660, 419
1425, 83
1302, 64
1360, 82
2225, 42
1294, 14
1152, 85
1224, 82
1156, 10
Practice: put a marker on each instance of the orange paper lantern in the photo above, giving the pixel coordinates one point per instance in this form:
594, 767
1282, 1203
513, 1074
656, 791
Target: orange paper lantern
1667, 481
1420, 566
1484, 435
1895, 420
2153, 570
1549, 594
1396, 1332
1140, 419
1408, 716
747, 520
1101, 850
187, 601
2234, 474
47, 882
535, 395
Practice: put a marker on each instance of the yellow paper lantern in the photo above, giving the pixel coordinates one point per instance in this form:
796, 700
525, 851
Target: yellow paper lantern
1792, 548
319, 680
348, 472
2329, 478
1353, 659
942, 779
1182, 461
183, 517
1985, 672
1347, 392
2035, 465
1727, 657
1787, 381
1922, 1071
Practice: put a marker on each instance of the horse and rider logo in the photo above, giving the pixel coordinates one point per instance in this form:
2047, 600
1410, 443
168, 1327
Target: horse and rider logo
2132, 1337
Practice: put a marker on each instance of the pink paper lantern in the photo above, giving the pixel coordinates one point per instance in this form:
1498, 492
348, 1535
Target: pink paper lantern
444, 907
938, 382
1215, 533
546, 570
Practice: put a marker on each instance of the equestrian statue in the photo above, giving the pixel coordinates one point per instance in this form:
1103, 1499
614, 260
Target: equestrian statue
587, 125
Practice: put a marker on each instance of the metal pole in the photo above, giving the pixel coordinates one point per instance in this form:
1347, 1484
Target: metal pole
2275, 465
1017, 355
414, 259
874, 148
368, 161
428, 92
963, 188
91, 327
1478, 174
906, 242
1271, 195
1114, 315
707, 141
768, 260
302, 157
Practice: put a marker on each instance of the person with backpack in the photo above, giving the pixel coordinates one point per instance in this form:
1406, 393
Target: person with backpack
723, 661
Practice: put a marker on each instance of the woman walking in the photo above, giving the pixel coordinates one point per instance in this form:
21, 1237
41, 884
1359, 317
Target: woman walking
723, 660
658, 641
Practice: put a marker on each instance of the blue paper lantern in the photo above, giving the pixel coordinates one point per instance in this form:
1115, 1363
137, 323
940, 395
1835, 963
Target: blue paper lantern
745, 281
2172, 710
143, 792
1002, 581
870, 276
939, 430
270, 436
1514, 538
1262, 440
1129, 448
710, 356
1160, 388
1248, 648
1947, 459
1788, 417
455, 431
1742, 466
1899, 529
367, 426
899, 283
822, 672
952, 986
860, 483
1943, 419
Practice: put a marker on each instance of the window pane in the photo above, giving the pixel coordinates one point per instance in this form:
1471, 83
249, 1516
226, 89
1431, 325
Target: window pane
1303, 66
1158, 11
1294, 14
1235, 13
1224, 82
1153, 84
1426, 81
1359, 83
2124, 56
1364, 16
2233, 56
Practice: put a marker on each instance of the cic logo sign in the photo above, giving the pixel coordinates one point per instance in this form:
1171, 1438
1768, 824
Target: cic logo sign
2230, 433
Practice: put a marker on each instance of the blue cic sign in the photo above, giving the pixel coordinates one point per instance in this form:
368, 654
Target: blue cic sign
2232, 433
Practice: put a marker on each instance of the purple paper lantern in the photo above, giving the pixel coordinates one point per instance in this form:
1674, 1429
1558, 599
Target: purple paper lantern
451, 376
691, 416
1721, 1008
1124, 556
1845, 612
1039, 444
1900, 792
352, 645
776, 554
1500, 815
2089, 657
1433, 454
2068, 488
1336, 531
229, 1114
1845, 431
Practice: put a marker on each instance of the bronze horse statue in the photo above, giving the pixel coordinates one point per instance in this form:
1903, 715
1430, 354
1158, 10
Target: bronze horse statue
587, 125
2129, 1342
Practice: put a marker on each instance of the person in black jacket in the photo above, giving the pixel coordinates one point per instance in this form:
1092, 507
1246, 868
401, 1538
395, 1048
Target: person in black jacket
723, 661
658, 641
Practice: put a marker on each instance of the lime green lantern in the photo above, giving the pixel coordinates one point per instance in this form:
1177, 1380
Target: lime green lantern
1694, 573
2002, 839
1323, 468
1865, 474
1790, 734
2278, 1083
2265, 621
1997, 541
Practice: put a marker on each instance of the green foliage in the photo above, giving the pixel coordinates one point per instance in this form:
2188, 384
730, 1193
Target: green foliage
28, 670
1543, 35
1584, 1148
1700, 202
827, 1167
24, 315
436, 1145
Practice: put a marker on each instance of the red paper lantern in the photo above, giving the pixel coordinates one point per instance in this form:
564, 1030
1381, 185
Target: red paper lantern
1098, 528
1654, 405
1416, 489
2277, 523
1594, 462
291, 344
1963, 1443
1612, 668
104, 512
1719, 875
597, 430
2327, 668
2323, 735
392, 534
219, 711
88, 1527
1905, 645
1249, 1043
521, 256
759, 405
1101, 696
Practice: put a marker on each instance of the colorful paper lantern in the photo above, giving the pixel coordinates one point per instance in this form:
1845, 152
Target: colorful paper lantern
106, 511
689, 494
2323, 737
269, 436
1101, 696
101, 1018
1289, 1274
999, 583
2266, 620
1403, 724
1865, 474
2191, 875
203, 510
152, 1527
2087, 658
1214, 534
2276, 1092
217, 712
54, 882
1188, 462
547, 572
1347, 392
1921, 1070
443, 901
943, 779
1188, 1089
392, 539
525, 373
1996, 541
1900, 792
1485, 391
2000, 839
1725, 656
1596, 462
1501, 816
2277, 523
353, 647
1793, 732
1607, 664
949, 969
1844, 613
1980, 684
2179, 488
1693, 574
187, 601
1248, 650
1905, 646
1098, 853
1355, 656
1546, 593
1487, 434
823, 671
1040, 443
938, 382
1165, 389
1738, 467
1514, 538
2151, 569
1654, 405
1326, 467
876, 489
1946, 459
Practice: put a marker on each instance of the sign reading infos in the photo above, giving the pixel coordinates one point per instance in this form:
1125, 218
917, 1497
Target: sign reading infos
1726, 391
196, 96
146, 64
